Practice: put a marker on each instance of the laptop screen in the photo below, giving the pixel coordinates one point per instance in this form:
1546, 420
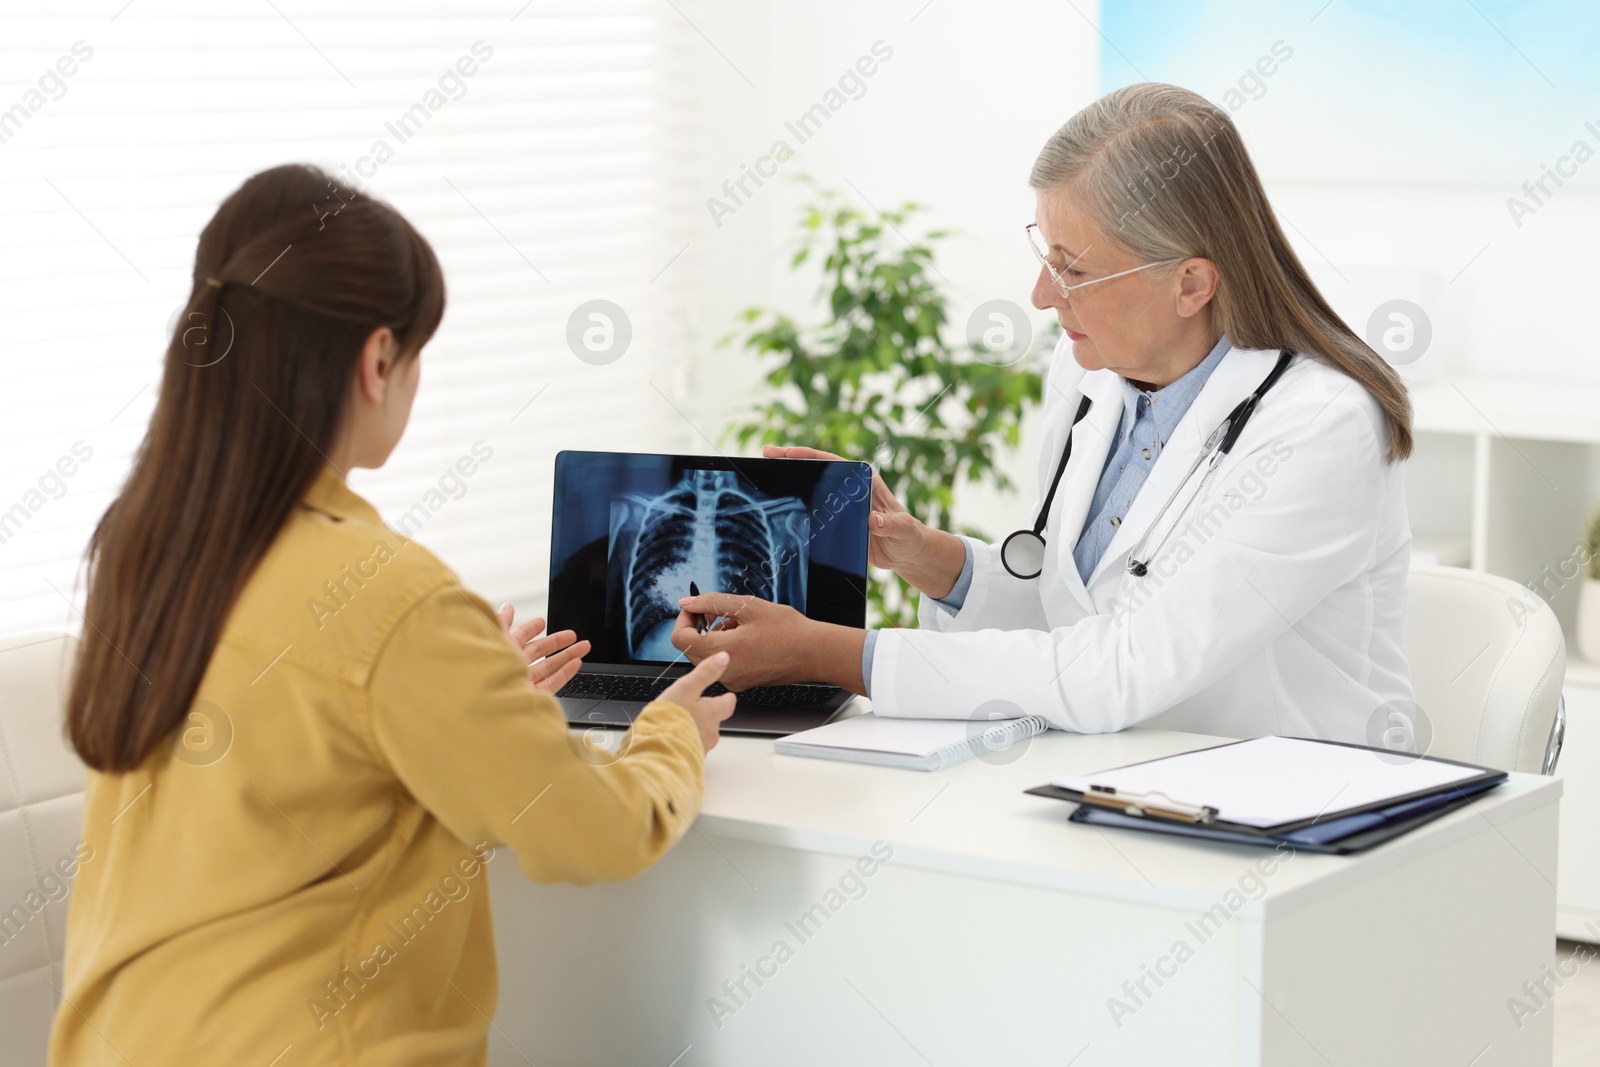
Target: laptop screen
630, 532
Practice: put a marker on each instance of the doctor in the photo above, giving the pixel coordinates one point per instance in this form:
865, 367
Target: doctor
1220, 541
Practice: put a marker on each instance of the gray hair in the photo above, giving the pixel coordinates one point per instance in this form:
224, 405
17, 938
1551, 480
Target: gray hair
1164, 172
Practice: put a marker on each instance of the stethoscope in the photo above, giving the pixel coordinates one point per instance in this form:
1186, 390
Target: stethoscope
1022, 553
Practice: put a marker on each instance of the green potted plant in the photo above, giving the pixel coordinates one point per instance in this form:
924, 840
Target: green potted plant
878, 379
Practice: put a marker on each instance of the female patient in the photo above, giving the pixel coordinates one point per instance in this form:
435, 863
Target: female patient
306, 738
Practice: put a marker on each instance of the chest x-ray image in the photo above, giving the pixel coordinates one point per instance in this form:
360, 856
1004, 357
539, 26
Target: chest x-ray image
708, 530
631, 531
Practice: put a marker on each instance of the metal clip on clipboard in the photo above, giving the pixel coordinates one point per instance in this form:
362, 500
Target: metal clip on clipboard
1146, 804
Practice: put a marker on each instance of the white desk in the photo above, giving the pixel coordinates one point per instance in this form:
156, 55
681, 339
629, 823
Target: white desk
998, 933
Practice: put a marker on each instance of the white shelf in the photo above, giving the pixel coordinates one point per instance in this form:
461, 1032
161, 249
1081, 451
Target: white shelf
1528, 408
1508, 465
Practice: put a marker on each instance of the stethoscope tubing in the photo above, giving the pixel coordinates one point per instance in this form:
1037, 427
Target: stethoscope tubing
1219, 444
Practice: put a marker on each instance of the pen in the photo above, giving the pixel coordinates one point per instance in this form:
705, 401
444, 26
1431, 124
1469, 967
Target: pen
699, 620
1147, 804
701, 624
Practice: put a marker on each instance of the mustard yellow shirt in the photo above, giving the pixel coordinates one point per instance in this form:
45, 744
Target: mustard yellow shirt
300, 878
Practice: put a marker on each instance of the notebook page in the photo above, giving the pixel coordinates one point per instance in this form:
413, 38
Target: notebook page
1273, 780
910, 737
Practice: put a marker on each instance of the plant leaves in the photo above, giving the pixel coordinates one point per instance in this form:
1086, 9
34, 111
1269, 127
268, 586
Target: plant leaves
876, 379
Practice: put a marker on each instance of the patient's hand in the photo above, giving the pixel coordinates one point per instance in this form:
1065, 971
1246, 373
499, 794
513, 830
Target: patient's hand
552, 660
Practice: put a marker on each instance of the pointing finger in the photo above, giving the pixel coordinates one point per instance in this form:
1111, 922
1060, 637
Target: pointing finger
716, 604
705, 672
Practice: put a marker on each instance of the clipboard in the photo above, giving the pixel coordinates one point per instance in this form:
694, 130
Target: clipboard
1341, 844
1346, 829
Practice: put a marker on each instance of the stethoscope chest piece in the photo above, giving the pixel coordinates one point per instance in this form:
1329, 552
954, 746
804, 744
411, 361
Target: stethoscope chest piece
1022, 554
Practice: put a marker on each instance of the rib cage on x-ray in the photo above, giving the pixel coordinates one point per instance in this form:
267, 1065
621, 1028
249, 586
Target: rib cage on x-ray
709, 530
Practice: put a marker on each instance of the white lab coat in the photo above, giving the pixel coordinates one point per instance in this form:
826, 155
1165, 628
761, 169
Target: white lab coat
1275, 607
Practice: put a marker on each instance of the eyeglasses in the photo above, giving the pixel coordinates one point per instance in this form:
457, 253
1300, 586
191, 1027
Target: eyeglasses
1041, 249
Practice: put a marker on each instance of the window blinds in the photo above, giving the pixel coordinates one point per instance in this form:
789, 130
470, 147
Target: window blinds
537, 147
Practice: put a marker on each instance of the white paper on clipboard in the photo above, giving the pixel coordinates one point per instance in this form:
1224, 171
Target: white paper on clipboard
1269, 781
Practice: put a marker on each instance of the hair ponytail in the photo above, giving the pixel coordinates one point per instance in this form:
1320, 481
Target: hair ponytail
254, 386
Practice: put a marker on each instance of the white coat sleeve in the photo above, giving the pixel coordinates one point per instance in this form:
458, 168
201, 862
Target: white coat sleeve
994, 599
1211, 602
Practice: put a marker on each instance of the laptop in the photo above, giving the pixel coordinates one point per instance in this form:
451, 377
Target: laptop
631, 531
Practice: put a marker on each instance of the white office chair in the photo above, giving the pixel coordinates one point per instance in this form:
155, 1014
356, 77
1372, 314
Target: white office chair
41, 821
1487, 664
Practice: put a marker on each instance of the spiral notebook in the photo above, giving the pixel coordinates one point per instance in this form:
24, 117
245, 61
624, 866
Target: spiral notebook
914, 744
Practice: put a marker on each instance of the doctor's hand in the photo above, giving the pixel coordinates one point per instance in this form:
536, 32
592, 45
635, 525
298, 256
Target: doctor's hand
898, 538
755, 634
552, 660
931, 560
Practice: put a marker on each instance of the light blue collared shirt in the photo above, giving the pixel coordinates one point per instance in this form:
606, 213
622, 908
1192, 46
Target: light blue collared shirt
1148, 419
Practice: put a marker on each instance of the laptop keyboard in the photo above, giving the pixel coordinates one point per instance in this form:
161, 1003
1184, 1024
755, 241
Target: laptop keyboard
634, 687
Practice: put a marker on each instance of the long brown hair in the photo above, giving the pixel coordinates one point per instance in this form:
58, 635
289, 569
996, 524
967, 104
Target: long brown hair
1165, 172
291, 276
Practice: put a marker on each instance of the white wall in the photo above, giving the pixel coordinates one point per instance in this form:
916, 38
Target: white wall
1520, 308
953, 120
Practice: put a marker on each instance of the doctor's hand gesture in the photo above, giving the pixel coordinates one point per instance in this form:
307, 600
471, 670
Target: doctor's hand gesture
929, 559
767, 643
750, 630
896, 533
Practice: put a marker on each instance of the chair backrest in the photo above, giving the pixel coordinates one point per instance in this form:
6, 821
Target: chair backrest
1487, 663
41, 825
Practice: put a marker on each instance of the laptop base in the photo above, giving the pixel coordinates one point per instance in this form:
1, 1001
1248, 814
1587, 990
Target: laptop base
756, 722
